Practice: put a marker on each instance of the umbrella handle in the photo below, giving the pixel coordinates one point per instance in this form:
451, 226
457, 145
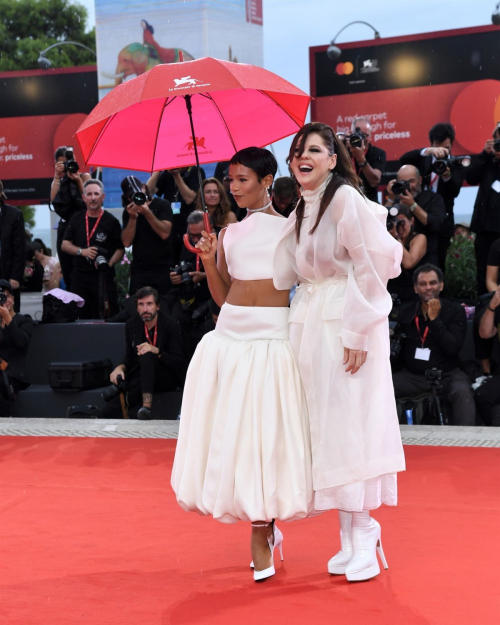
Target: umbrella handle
208, 228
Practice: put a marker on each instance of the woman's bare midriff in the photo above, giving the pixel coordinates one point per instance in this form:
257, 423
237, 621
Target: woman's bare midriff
256, 293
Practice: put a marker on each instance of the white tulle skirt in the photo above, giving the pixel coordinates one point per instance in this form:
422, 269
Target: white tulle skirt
366, 495
244, 449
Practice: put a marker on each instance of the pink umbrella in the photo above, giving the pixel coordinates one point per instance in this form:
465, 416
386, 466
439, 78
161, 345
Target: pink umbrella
143, 124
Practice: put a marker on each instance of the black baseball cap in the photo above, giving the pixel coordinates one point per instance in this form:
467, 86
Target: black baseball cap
127, 187
6, 286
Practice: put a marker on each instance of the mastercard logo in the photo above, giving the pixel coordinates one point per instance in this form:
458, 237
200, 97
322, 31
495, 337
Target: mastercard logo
344, 69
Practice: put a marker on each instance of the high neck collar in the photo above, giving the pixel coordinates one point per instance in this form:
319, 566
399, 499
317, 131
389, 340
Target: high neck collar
312, 196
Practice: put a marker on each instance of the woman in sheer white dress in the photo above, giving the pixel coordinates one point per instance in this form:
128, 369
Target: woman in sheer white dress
337, 246
244, 451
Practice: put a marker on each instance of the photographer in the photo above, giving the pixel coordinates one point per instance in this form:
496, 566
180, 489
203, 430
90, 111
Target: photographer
190, 295
93, 238
12, 246
154, 360
147, 224
434, 330
488, 394
180, 187
485, 172
369, 161
414, 245
447, 184
427, 207
15, 335
66, 194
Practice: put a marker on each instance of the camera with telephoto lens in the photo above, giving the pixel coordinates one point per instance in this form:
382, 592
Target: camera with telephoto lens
496, 145
399, 187
357, 138
187, 285
200, 313
433, 376
137, 195
3, 297
395, 222
395, 335
101, 261
115, 389
440, 165
70, 166
183, 269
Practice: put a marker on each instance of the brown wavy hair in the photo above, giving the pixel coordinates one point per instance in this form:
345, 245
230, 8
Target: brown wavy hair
343, 173
224, 206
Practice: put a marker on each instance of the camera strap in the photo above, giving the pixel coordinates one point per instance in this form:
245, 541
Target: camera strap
89, 237
426, 331
148, 338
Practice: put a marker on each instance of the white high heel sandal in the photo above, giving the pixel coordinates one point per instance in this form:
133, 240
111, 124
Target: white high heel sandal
276, 542
337, 564
366, 542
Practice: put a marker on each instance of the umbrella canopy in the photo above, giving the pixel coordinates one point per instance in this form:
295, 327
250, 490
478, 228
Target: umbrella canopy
143, 124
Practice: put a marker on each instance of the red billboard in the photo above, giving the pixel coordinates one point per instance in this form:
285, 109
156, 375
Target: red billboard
405, 85
40, 110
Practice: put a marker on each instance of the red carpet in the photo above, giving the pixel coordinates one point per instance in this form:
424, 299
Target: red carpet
90, 533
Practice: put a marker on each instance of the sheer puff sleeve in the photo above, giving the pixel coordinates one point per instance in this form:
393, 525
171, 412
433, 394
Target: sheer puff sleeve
375, 258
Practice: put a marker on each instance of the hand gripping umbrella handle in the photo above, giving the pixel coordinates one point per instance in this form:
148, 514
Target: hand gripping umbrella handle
208, 228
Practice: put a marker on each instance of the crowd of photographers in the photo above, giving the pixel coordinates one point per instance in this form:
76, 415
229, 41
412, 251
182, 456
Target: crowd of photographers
427, 330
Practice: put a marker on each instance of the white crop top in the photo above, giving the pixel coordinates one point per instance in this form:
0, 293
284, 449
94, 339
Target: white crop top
250, 245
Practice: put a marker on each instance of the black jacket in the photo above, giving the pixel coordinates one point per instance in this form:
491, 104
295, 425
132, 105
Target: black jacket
13, 246
484, 170
445, 338
14, 341
433, 204
169, 343
376, 158
447, 189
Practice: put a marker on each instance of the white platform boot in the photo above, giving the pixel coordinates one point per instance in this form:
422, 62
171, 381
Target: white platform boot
337, 564
366, 542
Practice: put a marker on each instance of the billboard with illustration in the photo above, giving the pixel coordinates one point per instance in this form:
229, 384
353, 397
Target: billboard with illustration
133, 36
405, 85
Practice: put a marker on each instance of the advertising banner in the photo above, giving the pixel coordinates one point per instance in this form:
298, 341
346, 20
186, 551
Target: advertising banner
405, 85
133, 36
40, 110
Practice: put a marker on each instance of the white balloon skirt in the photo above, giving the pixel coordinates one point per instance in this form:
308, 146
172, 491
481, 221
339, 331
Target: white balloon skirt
244, 450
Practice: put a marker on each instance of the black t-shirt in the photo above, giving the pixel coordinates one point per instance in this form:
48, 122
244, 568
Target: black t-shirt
150, 251
167, 188
107, 236
494, 254
376, 158
433, 204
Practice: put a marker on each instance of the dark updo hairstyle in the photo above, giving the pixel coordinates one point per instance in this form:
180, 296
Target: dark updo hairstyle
259, 160
342, 174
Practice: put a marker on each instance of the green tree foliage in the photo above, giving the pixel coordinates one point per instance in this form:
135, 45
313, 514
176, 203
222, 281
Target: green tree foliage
29, 216
29, 26
460, 280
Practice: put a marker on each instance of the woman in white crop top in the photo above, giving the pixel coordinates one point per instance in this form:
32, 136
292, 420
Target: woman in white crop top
337, 245
243, 451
